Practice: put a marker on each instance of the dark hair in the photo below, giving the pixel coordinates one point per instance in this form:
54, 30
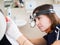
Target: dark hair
52, 16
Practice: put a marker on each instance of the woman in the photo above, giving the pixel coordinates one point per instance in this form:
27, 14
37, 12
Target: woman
47, 21
9, 31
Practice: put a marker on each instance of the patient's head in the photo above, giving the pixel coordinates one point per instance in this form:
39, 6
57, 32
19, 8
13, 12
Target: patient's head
2, 25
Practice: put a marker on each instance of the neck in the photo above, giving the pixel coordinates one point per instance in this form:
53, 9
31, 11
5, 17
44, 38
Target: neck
48, 30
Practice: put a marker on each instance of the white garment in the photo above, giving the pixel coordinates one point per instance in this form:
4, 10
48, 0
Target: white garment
12, 41
12, 31
2, 25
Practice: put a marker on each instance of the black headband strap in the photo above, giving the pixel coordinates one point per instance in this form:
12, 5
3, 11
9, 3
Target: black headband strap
43, 12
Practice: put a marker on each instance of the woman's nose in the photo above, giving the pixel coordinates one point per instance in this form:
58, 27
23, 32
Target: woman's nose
37, 22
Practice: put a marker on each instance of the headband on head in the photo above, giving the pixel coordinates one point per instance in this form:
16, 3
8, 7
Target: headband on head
43, 12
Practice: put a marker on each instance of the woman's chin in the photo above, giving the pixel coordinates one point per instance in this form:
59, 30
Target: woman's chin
42, 30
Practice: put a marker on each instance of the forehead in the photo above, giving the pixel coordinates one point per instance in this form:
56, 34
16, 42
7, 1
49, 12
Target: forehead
42, 15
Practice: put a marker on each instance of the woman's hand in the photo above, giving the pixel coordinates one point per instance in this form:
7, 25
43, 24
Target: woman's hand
57, 42
22, 40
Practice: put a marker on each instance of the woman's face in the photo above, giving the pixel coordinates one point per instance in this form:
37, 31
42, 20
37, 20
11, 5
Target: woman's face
43, 22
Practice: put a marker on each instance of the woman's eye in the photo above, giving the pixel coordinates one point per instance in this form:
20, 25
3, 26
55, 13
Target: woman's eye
35, 20
38, 18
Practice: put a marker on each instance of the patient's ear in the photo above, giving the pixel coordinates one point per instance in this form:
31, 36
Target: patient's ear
56, 42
